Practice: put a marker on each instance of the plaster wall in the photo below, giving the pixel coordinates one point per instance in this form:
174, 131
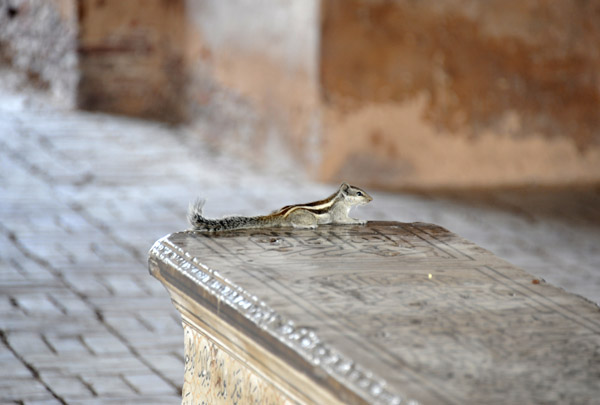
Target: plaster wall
132, 58
460, 93
257, 62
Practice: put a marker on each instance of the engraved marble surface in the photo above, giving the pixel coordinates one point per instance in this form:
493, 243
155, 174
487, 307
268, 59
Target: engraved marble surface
397, 311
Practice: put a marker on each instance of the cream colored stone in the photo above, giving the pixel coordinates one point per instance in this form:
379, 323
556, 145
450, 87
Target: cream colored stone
214, 377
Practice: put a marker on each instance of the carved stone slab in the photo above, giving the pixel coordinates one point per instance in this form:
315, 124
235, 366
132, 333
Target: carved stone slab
383, 313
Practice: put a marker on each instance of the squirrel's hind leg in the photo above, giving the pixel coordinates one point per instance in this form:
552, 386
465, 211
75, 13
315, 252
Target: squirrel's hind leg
303, 219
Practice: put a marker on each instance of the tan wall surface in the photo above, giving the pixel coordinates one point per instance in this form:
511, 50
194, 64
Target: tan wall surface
133, 58
461, 93
256, 62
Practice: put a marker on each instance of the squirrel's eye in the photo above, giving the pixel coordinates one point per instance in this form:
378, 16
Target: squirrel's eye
359, 194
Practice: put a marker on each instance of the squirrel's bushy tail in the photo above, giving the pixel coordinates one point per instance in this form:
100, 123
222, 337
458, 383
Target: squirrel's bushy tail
199, 223
194, 214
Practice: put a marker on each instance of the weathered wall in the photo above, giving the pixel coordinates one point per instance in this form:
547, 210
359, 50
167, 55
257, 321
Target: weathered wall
404, 94
461, 92
395, 93
256, 64
37, 40
132, 58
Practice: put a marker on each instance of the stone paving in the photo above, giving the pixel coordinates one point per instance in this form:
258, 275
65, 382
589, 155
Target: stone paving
82, 198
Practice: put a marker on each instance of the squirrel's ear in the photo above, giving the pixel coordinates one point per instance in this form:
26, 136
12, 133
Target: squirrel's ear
344, 187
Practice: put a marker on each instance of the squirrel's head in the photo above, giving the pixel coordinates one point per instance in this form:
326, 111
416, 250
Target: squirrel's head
355, 195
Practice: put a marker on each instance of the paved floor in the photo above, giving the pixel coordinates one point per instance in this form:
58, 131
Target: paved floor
83, 197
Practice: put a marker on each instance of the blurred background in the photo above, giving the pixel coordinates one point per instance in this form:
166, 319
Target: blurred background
483, 117
394, 94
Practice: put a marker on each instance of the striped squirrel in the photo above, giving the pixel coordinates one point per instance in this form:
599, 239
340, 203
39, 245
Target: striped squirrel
332, 210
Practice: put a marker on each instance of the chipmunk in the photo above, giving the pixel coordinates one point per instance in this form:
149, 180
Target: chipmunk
332, 210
